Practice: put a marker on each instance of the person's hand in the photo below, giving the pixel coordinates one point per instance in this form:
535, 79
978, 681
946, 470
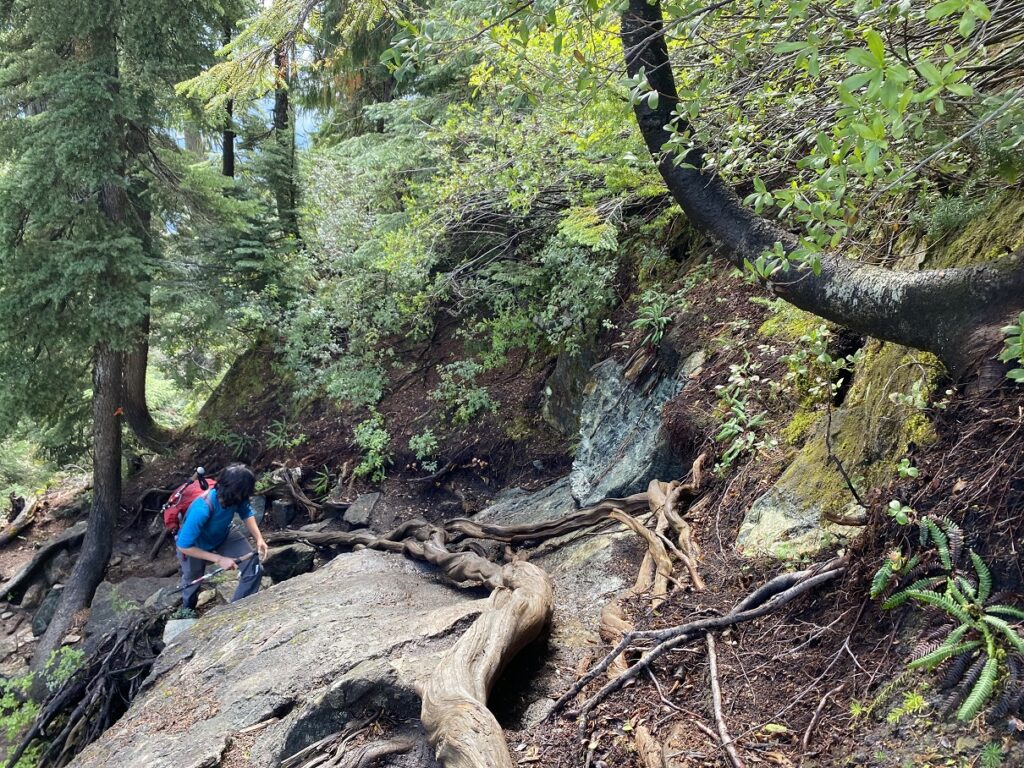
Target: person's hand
227, 563
261, 549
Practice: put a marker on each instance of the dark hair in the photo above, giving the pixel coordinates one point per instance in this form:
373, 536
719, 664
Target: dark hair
235, 485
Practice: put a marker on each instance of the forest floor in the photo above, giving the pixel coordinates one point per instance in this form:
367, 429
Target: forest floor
821, 683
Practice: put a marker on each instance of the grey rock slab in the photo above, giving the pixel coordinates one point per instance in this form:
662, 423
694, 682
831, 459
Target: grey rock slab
44, 613
113, 602
314, 652
360, 513
282, 512
621, 444
175, 627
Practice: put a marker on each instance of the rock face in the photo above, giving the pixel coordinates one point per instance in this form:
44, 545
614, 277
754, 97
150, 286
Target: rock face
290, 560
360, 514
621, 444
112, 602
302, 658
869, 434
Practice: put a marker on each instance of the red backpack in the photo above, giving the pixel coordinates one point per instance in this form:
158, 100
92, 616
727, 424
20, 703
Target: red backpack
182, 497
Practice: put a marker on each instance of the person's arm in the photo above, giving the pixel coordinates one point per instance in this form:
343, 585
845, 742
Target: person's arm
254, 531
220, 561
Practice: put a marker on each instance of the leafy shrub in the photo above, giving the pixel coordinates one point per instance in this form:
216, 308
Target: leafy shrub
461, 396
424, 445
373, 440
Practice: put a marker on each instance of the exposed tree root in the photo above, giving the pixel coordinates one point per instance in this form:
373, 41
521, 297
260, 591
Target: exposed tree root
716, 704
97, 693
762, 601
25, 518
647, 747
454, 710
14, 588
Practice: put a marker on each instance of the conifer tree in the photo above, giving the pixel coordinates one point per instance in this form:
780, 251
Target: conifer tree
84, 88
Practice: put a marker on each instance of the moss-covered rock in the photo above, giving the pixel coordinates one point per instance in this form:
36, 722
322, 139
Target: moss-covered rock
881, 416
999, 231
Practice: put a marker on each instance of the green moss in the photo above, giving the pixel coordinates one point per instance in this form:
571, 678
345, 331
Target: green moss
788, 322
799, 426
990, 236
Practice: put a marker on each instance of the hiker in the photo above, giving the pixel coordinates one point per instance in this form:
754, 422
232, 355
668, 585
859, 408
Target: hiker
207, 535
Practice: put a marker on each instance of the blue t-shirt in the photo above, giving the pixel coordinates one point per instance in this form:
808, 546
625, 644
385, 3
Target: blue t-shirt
206, 525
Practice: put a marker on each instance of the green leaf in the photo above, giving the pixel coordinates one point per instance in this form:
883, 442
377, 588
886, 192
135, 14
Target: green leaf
981, 692
984, 577
875, 45
960, 89
929, 71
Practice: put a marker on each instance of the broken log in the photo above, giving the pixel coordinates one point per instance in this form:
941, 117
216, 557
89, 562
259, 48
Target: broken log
25, 518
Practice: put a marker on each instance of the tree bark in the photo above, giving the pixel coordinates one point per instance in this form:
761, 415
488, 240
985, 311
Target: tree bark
136, 409
285, 137
228, 142
953, 313
106, 499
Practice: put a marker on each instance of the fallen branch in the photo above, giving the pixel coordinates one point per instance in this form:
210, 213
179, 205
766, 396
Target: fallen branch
762, 601
805, 743
716, 703
14, 588
650, 751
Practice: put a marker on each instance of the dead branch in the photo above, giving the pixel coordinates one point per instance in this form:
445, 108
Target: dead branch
14, 588
716, 702
98, 692
762, 601
311, 507
805, 743
371, 753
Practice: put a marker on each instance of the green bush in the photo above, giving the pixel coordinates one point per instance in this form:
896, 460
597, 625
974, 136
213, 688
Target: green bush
373, 441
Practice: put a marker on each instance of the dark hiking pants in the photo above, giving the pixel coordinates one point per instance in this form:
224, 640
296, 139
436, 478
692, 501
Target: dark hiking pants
234, 546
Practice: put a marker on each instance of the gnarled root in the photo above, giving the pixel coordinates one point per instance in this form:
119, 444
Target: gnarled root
454, 712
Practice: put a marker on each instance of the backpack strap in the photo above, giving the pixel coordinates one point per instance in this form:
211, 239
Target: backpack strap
205, 497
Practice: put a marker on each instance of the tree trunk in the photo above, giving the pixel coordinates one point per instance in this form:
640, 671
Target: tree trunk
136, 409
953, 313
106, 500
285, 137
228, 143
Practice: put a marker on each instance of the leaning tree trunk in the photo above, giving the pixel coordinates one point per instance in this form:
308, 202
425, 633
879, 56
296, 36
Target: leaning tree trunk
953, 313
106, 498
136, 409
228, 143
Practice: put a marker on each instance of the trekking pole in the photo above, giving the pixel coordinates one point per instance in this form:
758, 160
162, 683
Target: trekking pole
211, 574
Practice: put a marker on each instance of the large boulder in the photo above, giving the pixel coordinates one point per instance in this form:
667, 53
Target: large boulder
621, 443
870, 433
300, 660
112, 603
44, 613
282, 563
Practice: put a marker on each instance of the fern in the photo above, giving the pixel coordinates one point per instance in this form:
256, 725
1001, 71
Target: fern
984, 576
881, 580
957, 669
959, 692
1011, 693
905, 594
1007, 630
936, 657
941, 542
941, 601
1006, 610
955, 537
982, 690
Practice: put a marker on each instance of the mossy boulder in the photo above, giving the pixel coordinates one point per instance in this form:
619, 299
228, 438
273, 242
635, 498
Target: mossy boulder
879, 420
